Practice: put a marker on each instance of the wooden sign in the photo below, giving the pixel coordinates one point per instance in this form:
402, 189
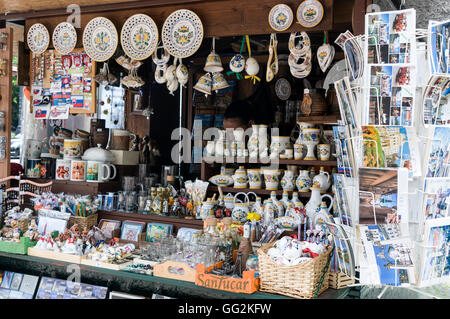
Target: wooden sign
248, 284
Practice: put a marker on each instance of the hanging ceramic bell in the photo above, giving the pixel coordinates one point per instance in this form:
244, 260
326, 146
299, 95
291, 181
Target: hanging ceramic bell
204, 84
213, 63
219, 82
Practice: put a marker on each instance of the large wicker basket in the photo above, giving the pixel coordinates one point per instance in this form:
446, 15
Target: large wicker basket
83, 222
300, 281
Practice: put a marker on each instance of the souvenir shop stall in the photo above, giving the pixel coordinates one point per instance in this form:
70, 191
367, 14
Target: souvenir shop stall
225, 149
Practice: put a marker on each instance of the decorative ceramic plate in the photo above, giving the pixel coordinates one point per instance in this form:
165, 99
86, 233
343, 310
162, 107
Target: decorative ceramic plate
38, 38
287, 222
222, 180
283, 89
310, 13
182, 33
280, 17
64, 38
139, 36
100, 39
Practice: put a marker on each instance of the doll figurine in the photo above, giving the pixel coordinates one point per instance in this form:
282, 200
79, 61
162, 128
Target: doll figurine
144, 155
136, 140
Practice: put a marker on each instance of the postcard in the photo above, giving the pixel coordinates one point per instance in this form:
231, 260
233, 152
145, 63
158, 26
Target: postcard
344, 150
343, 248
386, 254
380, 201
107, 226
156, 231
131, 230
391, 60
344, 192
436, 202
390, 147
7, 279
435, 257
436, 103
438, 39
16, 281
347, 102
438, 153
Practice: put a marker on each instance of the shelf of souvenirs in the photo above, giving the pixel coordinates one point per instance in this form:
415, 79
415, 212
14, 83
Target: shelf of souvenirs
325, 119
231, 160
177, 221
262, 191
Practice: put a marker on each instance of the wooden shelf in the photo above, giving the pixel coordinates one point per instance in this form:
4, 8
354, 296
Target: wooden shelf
213, 188
82, 188
230, 160
177, 222
327, 119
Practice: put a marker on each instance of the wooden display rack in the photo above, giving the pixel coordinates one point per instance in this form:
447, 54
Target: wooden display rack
87, 261
339, 280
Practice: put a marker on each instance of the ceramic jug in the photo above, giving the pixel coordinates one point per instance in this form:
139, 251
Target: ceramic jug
240, 178
254, 178
322, 216
229, 201
279, 205
323, 180
303, 182
269, 212
287, 182
287, 203
314, 202
207, 208
296, 201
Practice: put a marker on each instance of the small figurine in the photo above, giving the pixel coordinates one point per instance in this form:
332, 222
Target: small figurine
145, 150
136, 140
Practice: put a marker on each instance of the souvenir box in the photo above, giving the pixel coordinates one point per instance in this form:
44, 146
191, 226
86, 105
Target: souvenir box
248, 284
17, 248
126, 157
44, 253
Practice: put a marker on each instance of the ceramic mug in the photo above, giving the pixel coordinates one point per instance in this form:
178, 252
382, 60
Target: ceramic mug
62, 169
272, 178
323, 152
33, 168
99, 172
73, 148
78, 170
34, 149
254, 178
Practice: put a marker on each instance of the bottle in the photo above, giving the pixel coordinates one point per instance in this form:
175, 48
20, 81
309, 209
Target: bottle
157, 202
279, 205
269, 212
296, 201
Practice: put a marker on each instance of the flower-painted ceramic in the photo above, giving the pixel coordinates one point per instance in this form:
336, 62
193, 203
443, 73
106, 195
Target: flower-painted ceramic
182, 33
323, 152
237, 63
310, 13
281, 17
38, 38
221, 180
287, 182
219, 82
303, 182
213, 63
240, 178
100, 39
64, 38
255, 178
139, 36
323, 180
313, 205
271, 178
204, 84
310, 138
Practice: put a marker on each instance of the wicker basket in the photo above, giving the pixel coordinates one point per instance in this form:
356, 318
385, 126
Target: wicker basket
299, 281
22, 224
83, 222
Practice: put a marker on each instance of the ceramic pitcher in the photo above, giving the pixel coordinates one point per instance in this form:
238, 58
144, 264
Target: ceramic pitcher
241, 209
303, 182
323, 180
287, 182
240, 178
315, 200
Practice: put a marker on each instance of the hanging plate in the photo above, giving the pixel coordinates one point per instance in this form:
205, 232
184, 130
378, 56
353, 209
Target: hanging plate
182, 33
281, 17
100, 39
64, 38
139, 36
38, 38
309, 13
283, 89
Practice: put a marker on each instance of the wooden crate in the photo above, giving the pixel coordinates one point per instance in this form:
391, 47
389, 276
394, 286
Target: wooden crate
248, 284
87, 261
43, 253
175, 270
339, 280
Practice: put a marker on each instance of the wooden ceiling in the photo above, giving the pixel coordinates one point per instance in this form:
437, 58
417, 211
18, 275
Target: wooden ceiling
15, 6
373, 179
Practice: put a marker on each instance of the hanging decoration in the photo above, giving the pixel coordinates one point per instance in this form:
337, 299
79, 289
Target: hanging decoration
38, 38
272, 68
281, 17
171, 77
204, 84
100, 39
182, 33
251, 65
325, 53
310, 13
161, 65
237, 63
300, 57
139, 37
64, 38
213, 62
